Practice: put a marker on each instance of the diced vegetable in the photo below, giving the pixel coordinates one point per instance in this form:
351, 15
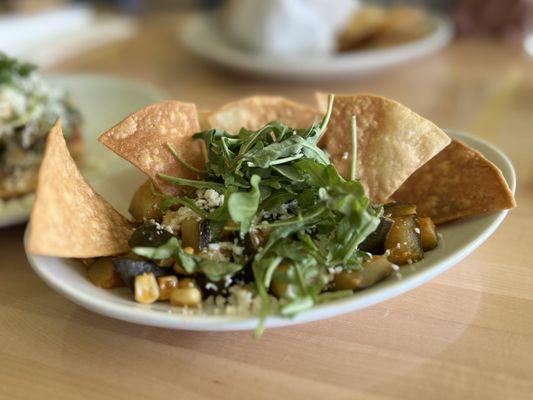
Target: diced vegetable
278, 286
165, 262
373, 271
149, 234
399, 209
375, 242
403, 241
146, 288
254, 241
428, 233
144, 204
102, 273
129, 269
187, 283
186, 297
195, 234
166, 285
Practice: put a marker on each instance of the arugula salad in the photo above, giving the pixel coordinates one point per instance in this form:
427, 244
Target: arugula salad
29, 108
271, 227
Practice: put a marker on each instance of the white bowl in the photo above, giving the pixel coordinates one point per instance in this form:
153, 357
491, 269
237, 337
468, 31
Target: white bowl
201, 34
103, 101
459, 239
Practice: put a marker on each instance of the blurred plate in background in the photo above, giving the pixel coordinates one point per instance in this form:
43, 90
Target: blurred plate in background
103, 102
201, 33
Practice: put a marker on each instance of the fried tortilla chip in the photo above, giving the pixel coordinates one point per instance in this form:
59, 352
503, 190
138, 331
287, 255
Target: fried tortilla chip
68, 218
392, 141
458, 182
143, 136
254, 112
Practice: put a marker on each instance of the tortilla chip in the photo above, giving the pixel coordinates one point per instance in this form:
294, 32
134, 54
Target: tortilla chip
458, 182
203, 116
255, 112
143, 136
392, 141
68, 218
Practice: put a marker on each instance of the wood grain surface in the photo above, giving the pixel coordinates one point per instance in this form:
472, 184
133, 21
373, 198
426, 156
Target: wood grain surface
466, 335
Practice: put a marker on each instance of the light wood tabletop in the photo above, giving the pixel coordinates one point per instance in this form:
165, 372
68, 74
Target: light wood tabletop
467, 334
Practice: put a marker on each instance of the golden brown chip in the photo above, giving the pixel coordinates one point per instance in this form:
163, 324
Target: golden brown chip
143, 136
254, 112
203, 116
458, 182
393, 141
68, 218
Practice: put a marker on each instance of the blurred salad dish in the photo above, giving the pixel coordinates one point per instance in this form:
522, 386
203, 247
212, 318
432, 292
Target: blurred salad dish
29, 108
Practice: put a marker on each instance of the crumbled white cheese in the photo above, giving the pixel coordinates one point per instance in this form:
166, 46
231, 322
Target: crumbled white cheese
345, 155
172, 220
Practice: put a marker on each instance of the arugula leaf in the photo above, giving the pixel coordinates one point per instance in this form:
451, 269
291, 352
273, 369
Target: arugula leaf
242, 206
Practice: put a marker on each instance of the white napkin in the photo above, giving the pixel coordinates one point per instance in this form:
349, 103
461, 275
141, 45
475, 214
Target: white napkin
48, 37
287, 27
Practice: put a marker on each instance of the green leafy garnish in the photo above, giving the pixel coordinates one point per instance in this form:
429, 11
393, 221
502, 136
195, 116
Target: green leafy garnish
266, 173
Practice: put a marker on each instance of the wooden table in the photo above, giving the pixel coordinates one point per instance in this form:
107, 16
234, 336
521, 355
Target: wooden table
465, 335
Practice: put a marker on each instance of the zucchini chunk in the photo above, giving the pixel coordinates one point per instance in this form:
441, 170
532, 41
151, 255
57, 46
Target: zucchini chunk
394, 210
375, 242
144, 204
102, 273
195, 234
129, 269
428, 233
403, 241
149, 234
373, 271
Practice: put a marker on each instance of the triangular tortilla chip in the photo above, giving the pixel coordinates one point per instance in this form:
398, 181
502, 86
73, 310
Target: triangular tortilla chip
393, 141
254, 112
143, 136
458, 182
68, 218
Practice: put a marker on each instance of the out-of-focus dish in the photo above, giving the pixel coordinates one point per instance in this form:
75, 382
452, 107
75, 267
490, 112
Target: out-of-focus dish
101, 101
29, 108
273, 226
374, 38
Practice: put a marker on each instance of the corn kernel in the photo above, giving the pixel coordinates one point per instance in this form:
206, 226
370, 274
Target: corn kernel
146, 288
188, 250
166, 285
186, 297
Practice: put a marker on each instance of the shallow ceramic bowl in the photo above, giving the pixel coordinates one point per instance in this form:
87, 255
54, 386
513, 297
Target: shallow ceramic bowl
459, 239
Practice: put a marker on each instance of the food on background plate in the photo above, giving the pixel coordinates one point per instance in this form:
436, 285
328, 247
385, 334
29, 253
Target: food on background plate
378, 27
29, 108
252, 221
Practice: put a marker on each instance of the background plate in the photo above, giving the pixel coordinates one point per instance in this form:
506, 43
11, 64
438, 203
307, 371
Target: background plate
202, 36
103, 101
459, 239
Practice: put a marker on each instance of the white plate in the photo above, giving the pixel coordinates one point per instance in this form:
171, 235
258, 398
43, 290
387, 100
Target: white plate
202, 35
459, 239
103, 101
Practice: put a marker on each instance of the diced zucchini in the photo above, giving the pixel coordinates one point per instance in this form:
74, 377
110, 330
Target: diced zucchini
394, 210
102, 273
149, 234
373, 271
144, 204
375, 242
428, 233
129, 269
195, 234
403, 241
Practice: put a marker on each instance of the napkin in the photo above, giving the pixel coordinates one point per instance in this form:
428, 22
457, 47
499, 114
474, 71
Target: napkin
287, 27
